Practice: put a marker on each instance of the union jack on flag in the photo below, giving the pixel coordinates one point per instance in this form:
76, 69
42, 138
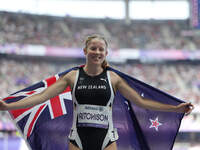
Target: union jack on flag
30, 119
56, 105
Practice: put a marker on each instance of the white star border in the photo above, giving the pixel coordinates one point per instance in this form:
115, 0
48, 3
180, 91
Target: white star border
155, 126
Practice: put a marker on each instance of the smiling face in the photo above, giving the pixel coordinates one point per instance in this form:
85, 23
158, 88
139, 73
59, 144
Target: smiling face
95, 51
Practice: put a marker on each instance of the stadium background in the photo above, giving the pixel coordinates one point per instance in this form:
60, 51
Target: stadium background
163, 52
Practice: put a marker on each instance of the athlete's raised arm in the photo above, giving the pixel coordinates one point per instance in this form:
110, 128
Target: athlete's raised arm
130, 94
39, 98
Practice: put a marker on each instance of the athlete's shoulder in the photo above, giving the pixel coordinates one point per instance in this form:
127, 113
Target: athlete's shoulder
71, 74
115, 78
112, 73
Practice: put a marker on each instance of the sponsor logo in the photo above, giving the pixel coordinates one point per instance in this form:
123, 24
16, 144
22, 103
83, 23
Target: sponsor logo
94, 108
103, 79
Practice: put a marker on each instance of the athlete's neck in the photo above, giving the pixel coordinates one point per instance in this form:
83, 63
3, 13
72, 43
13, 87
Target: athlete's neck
93, 70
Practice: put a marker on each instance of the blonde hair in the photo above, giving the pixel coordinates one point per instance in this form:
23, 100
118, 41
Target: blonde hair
94, 36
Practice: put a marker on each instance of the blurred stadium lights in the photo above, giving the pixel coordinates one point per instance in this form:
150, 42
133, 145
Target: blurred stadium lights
116, 9
159, 10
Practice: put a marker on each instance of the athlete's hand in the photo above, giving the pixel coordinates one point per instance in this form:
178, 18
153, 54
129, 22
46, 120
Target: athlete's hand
3, 105
185, 108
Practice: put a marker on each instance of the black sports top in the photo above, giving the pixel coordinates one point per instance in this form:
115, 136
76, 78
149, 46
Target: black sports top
93, 90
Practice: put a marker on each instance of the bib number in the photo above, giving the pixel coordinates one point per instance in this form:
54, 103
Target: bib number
91, 114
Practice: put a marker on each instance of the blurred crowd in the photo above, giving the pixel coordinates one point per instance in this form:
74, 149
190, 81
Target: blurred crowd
70, 32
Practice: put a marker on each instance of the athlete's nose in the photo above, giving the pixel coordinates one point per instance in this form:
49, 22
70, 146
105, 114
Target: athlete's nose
97, 51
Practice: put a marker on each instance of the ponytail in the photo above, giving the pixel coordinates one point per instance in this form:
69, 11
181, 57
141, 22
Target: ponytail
105, 64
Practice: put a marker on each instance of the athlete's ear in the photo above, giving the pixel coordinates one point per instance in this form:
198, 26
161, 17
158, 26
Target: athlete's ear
85, 51
106, 52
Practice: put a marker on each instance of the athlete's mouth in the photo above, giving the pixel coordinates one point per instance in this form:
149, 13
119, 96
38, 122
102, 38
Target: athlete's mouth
97, 57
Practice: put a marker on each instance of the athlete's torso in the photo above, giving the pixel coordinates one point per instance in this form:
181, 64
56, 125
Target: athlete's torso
93, 90
93, 99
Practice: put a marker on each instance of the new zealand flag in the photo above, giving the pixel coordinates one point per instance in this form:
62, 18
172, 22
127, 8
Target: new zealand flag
47, 125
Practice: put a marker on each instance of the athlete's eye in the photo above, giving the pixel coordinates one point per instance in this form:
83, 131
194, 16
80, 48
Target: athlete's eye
93, 48
101, 49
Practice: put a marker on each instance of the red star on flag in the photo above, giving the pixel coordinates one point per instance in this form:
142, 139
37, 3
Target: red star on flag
155, 124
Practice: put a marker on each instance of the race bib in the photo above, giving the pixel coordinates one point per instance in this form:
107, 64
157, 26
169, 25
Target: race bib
92, 115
